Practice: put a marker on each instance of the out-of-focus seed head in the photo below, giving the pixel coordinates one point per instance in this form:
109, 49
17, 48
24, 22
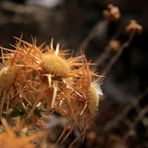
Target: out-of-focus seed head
112, 13
114, 45
10, 138
133, 26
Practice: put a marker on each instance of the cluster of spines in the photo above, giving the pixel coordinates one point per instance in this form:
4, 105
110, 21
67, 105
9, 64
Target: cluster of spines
40, 77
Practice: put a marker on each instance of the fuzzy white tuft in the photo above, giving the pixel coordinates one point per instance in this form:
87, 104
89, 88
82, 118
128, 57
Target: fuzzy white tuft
94, 91
55, 65
7, 76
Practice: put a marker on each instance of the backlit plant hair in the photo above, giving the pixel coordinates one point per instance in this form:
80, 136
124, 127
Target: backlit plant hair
49, 79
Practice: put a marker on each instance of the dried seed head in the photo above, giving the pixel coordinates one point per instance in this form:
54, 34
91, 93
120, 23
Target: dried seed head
7, 76
49, 79
112, 13
55, 65
93, 93
133, 26
114, 45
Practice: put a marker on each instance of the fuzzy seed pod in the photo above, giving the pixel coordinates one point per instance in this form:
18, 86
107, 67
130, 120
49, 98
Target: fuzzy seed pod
7, 76
93, 93
55, 65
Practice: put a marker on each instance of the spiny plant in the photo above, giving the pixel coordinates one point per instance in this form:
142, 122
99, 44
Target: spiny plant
21, 138
37, 81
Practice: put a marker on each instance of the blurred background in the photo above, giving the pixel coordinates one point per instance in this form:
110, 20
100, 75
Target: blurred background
121, 121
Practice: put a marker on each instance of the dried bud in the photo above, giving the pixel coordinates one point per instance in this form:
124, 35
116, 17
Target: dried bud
114, 45
7, 76
133, 26
112, 13
91, 135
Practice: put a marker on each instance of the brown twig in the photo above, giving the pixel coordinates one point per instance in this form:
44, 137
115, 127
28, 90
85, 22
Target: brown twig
124, 113
97, 30
118, 54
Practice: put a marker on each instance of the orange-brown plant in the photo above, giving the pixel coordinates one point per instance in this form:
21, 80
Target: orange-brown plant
42, 80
